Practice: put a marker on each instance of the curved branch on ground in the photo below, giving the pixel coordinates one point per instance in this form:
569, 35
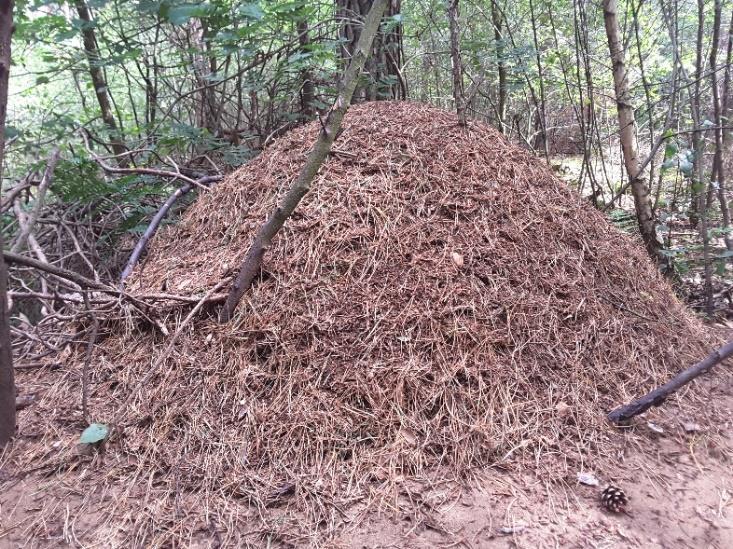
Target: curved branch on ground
156, 221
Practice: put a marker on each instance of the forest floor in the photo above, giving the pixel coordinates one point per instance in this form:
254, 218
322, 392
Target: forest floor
680, 484
674, 464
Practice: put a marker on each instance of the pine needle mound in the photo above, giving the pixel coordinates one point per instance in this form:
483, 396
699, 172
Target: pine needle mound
440, 300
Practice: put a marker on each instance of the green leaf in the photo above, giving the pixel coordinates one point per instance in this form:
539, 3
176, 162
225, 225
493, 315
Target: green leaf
667, 164
686, 166
11, 131
179, 15
252, 10
720, 268
96, 432
42, 80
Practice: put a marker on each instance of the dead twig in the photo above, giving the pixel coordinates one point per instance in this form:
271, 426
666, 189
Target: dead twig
660, 394
88, 358
157, 219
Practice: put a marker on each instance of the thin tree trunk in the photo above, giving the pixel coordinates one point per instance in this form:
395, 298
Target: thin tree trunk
542, 112
726, 98
457, 66
7, 377
307, 90
253, 260
98, 81
627, 133
698, 186
718, 171
498, 21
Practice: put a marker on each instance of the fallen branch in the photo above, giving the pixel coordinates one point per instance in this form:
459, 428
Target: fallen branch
32, 218
658, 396
156, 221
76, 298
139, 171
60, 272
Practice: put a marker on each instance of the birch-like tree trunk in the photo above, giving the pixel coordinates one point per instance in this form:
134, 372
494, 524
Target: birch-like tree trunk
331, 126
627, 133
7, 381
718, 170
497, 20
456, 65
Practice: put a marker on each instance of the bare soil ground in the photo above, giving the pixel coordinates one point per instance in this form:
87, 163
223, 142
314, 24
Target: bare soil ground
680, 483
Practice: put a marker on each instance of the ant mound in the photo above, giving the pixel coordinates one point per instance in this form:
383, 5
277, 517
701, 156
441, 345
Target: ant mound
439, 297
438, 301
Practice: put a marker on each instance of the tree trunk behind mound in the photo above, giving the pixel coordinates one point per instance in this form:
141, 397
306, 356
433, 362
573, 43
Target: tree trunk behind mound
627, 133
497, 19
329, 130
7, 382
456, 64
385, 62
101, 89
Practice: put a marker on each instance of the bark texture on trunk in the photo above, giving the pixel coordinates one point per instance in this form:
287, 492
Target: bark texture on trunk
456, 64
498, 22
7, 377
384, 65
627, 133
718, 169
98, 80
253, 260
307, 90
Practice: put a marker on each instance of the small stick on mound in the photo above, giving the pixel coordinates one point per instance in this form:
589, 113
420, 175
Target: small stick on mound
660, 394
155, 222
329, 131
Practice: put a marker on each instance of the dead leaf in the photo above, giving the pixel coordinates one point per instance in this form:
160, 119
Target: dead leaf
457, 259
589, 479
562, 409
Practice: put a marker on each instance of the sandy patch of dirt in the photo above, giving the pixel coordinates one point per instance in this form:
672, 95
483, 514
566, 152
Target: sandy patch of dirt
680, 483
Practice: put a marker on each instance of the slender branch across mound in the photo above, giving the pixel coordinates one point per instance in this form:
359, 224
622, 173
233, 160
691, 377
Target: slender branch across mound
59, 272
329, 130
156, 221
660, 394
87, 283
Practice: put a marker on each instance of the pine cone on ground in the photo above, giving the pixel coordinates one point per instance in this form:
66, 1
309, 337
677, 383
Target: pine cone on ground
614, 499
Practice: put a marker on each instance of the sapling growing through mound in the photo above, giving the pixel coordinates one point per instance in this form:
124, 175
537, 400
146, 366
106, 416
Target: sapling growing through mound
329, 130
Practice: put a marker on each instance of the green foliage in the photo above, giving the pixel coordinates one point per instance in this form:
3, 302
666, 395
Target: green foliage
94, 434
78, 180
